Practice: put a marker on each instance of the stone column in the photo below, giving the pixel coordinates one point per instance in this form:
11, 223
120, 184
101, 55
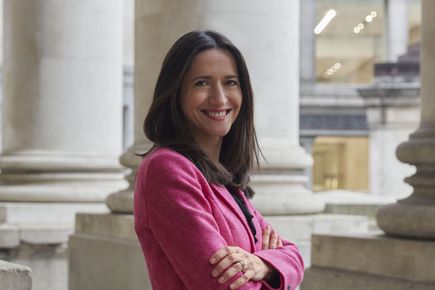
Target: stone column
266, 36
62, 120
62, 101
396, 28
415, 215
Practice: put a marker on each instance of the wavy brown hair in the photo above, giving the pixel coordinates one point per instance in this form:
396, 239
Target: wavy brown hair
166, 126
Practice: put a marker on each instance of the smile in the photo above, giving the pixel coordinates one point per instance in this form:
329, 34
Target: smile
217, 114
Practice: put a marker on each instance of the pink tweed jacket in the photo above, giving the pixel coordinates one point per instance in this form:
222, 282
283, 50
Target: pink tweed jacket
181, 220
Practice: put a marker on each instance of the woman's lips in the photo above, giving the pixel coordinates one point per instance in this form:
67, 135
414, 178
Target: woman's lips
217, 114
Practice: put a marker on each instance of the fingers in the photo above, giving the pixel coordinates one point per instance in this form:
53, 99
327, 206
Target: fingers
266, 238
242, 280
222, 253
230, 264
270, 239
273, 240
230, 272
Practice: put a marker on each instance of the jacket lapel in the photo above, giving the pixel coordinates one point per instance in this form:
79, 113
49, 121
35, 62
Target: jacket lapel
229, 201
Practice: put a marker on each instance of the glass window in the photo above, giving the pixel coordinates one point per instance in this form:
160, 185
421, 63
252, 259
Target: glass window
351, 42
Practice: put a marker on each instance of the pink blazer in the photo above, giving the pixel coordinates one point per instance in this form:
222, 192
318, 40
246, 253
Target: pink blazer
181, 220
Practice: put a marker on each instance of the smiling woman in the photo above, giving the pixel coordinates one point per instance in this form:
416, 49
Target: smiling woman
195, 223
211, 98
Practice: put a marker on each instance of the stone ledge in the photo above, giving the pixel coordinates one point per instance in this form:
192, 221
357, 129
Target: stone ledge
45, 213
317, 278
15, 277
301, 227
119, 226
45, 234
12, 235
413, 260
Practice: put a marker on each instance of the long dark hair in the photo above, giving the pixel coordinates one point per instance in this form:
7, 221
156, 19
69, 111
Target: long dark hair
166, 126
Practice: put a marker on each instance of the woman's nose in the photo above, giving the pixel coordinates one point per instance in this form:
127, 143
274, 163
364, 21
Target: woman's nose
217, 95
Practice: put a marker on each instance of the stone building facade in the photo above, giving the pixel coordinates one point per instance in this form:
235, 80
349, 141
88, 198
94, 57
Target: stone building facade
62, 132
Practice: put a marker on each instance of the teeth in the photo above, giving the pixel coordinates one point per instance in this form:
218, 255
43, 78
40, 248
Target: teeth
217, 114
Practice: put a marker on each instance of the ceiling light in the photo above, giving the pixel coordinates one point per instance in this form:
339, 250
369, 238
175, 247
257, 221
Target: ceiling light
329, 15
369, 18
373, 14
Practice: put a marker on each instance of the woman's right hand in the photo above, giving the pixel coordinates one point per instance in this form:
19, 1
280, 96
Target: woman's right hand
270, 239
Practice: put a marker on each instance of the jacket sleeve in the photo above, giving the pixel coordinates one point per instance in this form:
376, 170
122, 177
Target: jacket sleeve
286, 260
180, 217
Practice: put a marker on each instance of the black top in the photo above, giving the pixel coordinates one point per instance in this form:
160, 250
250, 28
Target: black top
246, 213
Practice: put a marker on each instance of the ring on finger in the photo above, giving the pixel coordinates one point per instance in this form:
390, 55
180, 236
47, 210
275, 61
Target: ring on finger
243, 266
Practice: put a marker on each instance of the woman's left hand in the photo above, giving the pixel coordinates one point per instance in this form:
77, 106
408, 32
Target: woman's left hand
231, 260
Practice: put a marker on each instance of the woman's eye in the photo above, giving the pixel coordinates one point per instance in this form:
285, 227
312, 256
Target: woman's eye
231, 83
200, 84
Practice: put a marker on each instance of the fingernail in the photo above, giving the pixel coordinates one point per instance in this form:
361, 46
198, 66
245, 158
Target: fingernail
221, 280
232, 286
212, 260
214, 273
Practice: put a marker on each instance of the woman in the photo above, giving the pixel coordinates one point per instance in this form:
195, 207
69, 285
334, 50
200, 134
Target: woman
194, 221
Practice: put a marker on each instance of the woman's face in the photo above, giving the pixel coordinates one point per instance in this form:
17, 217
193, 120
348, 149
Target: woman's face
211, 95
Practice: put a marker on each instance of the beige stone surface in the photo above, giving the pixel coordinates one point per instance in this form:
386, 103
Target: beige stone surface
119, 226
412, 260
9, 236
318, 278
15, 277
106, 263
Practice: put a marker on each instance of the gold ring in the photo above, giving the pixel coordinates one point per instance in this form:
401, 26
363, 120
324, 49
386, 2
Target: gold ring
243, 266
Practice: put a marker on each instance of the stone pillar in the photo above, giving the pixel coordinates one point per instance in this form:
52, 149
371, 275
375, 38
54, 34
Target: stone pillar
62, 101
62, 120
415, 215
396, 28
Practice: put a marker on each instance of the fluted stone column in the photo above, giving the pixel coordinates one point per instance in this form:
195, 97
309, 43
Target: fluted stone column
415, 215
266, 35
62, 101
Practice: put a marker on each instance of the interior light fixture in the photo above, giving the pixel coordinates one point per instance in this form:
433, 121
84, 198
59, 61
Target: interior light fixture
332, 70
329, 15
367, 20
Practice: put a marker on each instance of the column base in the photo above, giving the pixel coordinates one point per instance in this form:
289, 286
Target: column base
280, 183
375, 262
32, 176
408, 220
